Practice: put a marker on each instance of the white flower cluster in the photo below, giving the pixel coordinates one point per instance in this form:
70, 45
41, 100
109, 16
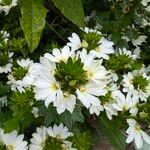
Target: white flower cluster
12, 141
42, 139
45, 136
25, 81
6, 68
6, 7
78, 74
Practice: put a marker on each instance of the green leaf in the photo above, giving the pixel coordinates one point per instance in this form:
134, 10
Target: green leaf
69, 119
12, 124
71, 9
32, 21
115, 137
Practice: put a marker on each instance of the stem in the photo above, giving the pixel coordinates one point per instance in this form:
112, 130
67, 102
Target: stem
50, 26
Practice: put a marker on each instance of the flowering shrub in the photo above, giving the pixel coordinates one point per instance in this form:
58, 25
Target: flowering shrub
66, 78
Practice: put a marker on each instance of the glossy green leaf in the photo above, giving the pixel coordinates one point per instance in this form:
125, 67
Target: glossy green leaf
71, 9
32, 21
115, 137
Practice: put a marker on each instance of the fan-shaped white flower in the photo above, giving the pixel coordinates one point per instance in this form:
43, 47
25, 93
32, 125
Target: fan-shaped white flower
49, 88
6, 8
14, 142
59, 132
104, 49
131, 85
65, 101
145, 2
38, 139
3, 100
136, 133
95, 71
35, 111
75, 42
5, 35
112, 76
96, 109
7, 68
140, 40
88, 30
60, 55
26, 81
67, 145
46, 89
25, 63
134, 55
125, 103
88, 93
110, 110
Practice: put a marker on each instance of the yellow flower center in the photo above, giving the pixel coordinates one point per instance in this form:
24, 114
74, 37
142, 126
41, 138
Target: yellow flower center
137, 127
90, 74
84, 44
54, 86
82, 89
10, 147
98, 49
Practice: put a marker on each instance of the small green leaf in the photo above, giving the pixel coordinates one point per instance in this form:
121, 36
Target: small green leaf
72, 9
32, 21
115, 137
12, 124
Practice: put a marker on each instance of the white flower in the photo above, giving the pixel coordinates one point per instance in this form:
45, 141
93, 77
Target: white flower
46, 89
97, 73
125, 103
26, 81
110, 110
93, 14
148, 8
124, 37
135, 90
35, 111
136, 53
59, 132
3, 100
75, 42
14, 142
65, 101
49, 90
145, 2
88, 30
25, 63
94, 69
88, 93
7, 68
6, 8
141, 39
39, 138
60, 55
15, 85
67, 145
96, 109
136, 133
112, 76
5, 35
104, 49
